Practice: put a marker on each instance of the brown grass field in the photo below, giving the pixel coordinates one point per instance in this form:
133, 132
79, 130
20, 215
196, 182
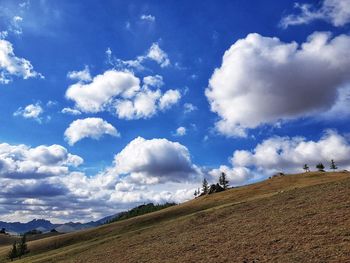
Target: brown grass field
294, 218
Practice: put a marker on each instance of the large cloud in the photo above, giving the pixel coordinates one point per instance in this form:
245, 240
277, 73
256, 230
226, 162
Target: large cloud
154, 161
96, 95
337, 12
263, 80
155, 170
93, 128
285, 154
121, 92
10, 65
21, 161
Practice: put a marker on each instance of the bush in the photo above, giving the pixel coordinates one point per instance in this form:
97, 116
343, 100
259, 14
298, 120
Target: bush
140, 210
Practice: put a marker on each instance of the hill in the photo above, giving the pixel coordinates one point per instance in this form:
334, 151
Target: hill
294, 218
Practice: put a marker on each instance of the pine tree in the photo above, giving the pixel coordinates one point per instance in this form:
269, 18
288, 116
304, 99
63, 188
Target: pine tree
320, 167
13, 252
333, 165
223, 181
195, 193
205, 187
22, 247
306, 168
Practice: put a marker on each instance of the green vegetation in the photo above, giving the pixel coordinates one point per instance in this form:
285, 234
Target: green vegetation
33, 232
223, 181
140, 210
306, 168
320, 167
333, 165
18, 249
205, 186
13, 252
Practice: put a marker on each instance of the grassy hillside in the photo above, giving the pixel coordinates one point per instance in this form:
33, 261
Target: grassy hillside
295, 218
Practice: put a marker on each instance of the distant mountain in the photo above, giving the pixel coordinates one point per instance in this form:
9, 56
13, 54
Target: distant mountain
46, 226
17, 227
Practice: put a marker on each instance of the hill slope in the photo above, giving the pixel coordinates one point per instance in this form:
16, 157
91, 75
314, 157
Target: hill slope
295, 218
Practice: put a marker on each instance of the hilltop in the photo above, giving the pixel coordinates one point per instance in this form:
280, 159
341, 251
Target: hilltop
292, 218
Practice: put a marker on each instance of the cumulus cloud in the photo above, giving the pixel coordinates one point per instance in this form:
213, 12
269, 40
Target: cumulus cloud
96, 96
286, 154
93, 128
148, 18
336, 12
154, 170
121, 92
143, 105
235, 175
157, 54
153, 81
21, 161
181, 131
10, 65
82, 75
263, 80
31, 111
169, 98
154, 161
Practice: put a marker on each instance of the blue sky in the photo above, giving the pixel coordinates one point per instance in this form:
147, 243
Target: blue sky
157, 105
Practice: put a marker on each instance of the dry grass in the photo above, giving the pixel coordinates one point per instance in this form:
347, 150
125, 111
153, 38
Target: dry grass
296, 218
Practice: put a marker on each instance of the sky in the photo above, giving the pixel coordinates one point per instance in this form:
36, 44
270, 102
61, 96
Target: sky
105, 105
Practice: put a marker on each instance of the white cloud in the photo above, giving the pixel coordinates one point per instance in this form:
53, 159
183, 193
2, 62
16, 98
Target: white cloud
143, 105
154, 161
70, 111
169, 98
93, 128
235, 176
83, 75
10, 65
157, 54
263, 80
181, 131
31, 111
96, 96
188, 107
336, 12
154, 53
16, 25
285, 154
21, 161
148, 18
122, 93
154, 170
153, 81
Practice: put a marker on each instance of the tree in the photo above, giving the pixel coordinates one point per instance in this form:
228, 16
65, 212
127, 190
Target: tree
13, 252
223, 181
3, 231
306, 168
22, 247
320, 167
333, 165
205, 187
195, 193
